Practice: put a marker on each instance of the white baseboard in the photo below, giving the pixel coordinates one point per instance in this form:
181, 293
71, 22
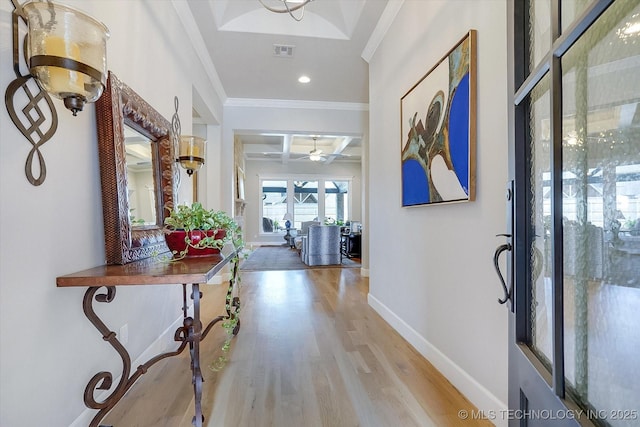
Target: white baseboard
364, 272
163, 343
482, 398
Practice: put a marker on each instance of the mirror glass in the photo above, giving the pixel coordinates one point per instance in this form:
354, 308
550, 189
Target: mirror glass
140, 156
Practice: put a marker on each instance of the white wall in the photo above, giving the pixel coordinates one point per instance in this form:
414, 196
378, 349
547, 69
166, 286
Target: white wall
48, 349
210, 177
432, 278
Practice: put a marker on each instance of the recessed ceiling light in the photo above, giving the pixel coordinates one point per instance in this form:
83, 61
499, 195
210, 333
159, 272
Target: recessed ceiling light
304, 79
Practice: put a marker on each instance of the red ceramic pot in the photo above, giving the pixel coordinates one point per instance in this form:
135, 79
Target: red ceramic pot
176, 241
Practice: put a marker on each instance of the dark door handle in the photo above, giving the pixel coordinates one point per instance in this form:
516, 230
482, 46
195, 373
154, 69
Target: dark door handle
496, 256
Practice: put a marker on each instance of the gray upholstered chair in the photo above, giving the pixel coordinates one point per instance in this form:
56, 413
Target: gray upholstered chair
304, 228
321, 245
267, 225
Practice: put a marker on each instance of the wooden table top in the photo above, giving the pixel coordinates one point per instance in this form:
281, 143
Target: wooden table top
150, 271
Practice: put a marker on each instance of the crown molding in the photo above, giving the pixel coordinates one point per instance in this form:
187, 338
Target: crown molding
383, 25
191, 29
285, 103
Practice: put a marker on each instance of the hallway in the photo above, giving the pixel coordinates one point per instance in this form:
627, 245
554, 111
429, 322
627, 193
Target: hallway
310, 352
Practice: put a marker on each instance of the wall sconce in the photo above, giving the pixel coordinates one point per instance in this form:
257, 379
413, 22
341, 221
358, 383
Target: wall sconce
191, 153
65, 52
191, 149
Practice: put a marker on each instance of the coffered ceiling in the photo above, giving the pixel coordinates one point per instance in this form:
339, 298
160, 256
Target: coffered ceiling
286, 148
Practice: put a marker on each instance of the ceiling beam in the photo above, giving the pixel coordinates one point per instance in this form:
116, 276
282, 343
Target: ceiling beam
286, 148
339, 149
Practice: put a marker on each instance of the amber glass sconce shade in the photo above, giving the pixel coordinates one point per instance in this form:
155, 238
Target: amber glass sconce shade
191, 153
66, 53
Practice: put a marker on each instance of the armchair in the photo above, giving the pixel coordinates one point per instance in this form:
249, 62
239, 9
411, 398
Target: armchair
304, 228
321, 245
267, 225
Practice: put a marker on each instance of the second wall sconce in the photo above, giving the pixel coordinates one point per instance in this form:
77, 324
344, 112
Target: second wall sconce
65, 52
191, 153
190, 149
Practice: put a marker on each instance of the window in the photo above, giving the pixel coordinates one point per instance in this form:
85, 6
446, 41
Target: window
305, 207
336, 201
274, 204
316, 199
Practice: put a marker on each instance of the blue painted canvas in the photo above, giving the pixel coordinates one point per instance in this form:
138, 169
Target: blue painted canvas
438, 131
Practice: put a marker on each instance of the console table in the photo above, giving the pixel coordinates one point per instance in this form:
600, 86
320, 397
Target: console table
195, 270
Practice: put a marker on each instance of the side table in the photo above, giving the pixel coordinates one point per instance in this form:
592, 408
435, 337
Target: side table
196, 270
290, 237
350, 245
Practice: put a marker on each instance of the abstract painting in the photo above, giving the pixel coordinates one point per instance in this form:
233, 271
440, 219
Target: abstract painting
438, 130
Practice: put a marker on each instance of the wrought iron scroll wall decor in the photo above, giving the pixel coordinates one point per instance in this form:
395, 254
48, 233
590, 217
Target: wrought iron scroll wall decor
176, 131
65, 53
38, 107
190, 149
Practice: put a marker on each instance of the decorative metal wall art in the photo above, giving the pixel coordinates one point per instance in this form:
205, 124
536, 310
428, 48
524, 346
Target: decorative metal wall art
38, 120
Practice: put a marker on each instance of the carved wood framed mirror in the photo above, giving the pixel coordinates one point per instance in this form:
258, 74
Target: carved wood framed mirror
137, 169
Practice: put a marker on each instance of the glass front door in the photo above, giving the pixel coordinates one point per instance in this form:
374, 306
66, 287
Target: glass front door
575, 164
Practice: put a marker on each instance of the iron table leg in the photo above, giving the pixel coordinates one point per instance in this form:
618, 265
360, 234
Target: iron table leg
195, 332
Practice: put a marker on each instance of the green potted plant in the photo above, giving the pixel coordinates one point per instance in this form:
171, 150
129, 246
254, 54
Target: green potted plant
196, 231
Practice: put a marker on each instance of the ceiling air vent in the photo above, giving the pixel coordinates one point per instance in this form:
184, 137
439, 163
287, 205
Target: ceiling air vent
283, 51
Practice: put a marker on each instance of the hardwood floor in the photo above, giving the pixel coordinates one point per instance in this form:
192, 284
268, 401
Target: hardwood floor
310, 352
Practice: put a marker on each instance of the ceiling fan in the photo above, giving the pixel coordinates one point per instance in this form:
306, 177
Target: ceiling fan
314, 155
